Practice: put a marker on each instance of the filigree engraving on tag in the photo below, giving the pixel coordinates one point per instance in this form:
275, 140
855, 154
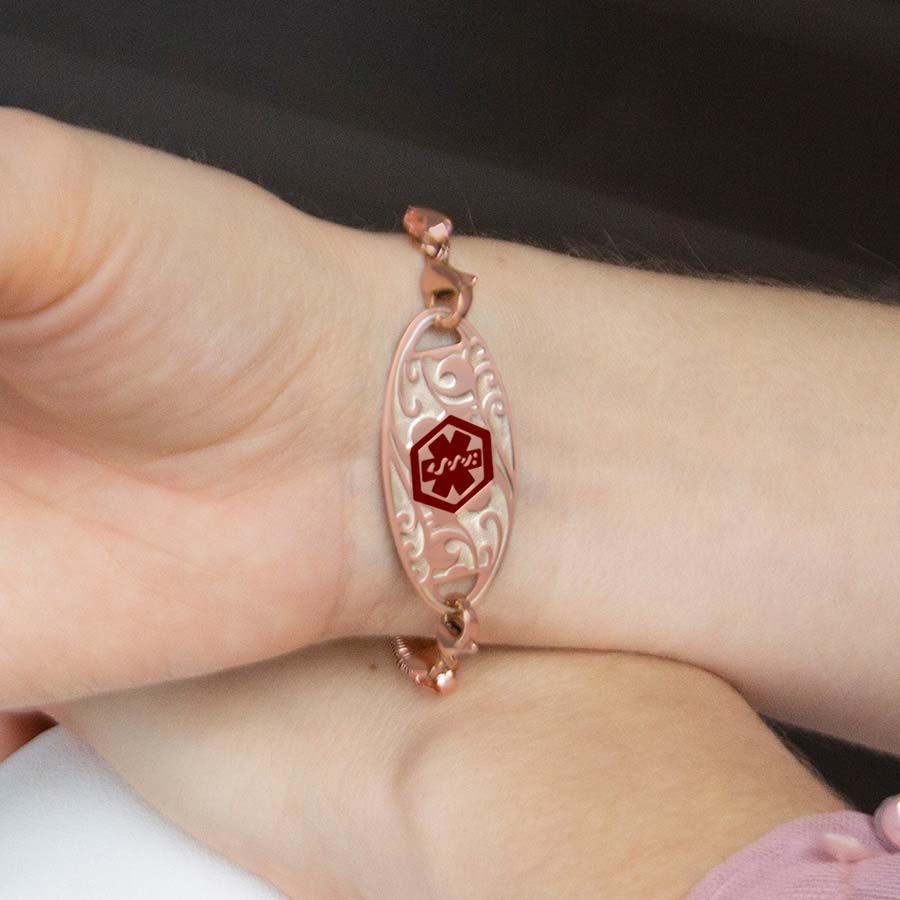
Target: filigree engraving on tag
448, 463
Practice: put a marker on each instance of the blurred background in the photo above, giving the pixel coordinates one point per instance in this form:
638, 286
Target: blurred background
757, 140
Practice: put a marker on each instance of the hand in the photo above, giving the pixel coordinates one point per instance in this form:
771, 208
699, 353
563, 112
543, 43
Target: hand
551, 774
192, 382
177, 415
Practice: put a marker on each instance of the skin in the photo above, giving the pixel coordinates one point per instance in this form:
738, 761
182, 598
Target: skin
186, 445
188, 483
548, 774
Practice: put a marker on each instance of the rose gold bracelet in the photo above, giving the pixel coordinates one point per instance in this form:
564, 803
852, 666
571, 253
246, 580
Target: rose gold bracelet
447, 460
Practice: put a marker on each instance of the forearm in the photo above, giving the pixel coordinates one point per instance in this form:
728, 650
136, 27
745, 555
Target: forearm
331, 777
708, 472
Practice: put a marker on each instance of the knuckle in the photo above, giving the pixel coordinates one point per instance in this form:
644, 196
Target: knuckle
37, 151
45, 180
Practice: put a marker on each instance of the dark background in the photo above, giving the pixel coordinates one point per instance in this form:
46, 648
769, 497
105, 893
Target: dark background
759, 140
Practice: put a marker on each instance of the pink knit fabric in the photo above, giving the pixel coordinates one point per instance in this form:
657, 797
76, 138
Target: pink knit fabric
815, 858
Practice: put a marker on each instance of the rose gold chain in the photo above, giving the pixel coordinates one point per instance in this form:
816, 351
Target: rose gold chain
441, 283
448, 467
434, 665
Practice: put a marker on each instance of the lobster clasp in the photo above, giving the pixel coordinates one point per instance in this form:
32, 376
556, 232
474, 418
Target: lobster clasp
441, 284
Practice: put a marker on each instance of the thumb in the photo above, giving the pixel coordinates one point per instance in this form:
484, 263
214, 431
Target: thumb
149, 304
172, 456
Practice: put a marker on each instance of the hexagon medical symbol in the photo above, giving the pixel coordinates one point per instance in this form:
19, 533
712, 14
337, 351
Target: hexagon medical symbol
451, 464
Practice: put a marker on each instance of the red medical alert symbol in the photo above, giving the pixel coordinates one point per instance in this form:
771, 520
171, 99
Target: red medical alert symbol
451, 464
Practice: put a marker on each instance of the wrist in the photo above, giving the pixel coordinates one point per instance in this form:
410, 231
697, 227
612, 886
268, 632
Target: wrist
323, 770
559, 492
698, 473
487, 783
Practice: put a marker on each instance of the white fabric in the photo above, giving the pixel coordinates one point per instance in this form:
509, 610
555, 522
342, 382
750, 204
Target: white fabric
70, 828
